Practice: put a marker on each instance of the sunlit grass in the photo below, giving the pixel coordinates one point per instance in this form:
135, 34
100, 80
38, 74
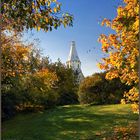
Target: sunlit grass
72, 122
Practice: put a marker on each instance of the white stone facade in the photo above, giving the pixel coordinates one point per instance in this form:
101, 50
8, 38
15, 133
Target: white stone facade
74, 62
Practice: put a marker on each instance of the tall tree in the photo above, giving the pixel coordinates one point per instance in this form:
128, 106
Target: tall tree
66, 85
122, 48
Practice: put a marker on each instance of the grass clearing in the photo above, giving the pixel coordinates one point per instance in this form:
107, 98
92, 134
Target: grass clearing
71, 122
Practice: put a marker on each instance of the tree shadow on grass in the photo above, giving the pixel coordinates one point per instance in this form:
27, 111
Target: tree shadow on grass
69, 123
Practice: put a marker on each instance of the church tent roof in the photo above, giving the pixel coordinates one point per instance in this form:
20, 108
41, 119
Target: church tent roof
73, 56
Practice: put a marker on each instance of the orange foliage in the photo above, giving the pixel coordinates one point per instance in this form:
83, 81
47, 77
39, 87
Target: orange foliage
122, 47
14, 59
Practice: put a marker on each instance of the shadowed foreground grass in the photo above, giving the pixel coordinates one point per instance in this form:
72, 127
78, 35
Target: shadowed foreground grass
72, 122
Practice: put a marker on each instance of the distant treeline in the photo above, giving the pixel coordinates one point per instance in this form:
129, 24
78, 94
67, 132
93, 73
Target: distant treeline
31, 82
96, 89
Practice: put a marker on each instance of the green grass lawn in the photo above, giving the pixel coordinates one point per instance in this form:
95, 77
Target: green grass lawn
72, 122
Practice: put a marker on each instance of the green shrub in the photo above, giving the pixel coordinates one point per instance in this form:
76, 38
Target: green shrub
67, 98
89, 90
96, 89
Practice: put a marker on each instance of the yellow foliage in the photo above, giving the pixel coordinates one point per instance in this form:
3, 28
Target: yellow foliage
38, 28
14, 57
119, 11
135, 108
122, 47
123, 101
55, 10
47, 77
47, 20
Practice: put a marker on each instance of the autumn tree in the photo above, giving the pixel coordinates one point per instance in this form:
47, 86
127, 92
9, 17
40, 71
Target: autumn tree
31, 82
38, 91
17, 16
24, 85
16, 63
66, 85
122, 48
29, 14
20, 62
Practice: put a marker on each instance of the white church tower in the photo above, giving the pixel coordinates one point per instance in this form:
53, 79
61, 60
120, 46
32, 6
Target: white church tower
74, 62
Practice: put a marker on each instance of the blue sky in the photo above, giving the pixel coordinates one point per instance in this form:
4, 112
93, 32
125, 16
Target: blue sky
85, 32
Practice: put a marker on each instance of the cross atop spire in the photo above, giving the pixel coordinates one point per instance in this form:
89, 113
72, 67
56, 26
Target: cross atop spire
73, 53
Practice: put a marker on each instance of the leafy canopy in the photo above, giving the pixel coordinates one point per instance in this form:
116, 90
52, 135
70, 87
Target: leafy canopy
122, 48
29, 14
